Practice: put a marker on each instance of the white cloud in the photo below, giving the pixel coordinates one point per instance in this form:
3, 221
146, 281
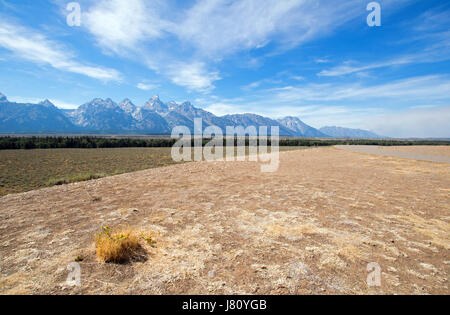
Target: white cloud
35, 47
131, 29
193, 76
208, 30
121, 24
221, 109
321, 60
214, 27
432, 44
223, 27
252, 86
434, 53
147, 86
24, 100
435, 19
413, 89
63, 104
217, 27
348, 68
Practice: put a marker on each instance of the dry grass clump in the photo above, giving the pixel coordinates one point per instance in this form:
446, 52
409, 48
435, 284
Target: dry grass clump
116, 245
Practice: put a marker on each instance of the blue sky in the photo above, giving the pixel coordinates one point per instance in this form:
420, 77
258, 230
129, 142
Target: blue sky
315, 59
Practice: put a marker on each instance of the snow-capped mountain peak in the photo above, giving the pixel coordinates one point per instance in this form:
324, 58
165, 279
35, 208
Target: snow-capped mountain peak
155, 104
47, 103
127, 106
154, 117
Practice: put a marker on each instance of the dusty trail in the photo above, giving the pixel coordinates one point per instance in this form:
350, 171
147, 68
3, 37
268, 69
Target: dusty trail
311, 227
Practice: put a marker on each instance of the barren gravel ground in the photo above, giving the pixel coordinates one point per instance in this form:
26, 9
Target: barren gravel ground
226, 228
437, 154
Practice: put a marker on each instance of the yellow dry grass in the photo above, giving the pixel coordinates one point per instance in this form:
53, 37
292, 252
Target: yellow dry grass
116, 245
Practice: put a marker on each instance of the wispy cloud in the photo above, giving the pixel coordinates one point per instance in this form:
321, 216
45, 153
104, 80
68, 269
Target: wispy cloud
193, 76
208, 31
63, 104
321, 60
237, 25
119, 25
436, 51
432, 44
433, 20
130, 29
221, 109
36, 47
147, 86
348, 67
270, 81
416, 88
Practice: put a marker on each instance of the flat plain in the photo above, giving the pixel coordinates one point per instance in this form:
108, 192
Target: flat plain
226, 228
25, 170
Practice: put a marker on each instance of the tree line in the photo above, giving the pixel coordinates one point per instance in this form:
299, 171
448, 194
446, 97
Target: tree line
90, 142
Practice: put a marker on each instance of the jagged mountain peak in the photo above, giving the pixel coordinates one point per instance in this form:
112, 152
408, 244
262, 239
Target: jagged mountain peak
3, 98
291, 121
155, 104
47, 103
300, 128
154, 117
127, 106
292, 118
186, 106
99, 102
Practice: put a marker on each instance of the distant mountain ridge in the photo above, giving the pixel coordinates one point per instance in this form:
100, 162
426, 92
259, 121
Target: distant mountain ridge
31, 118
340, 132
293, 123
153, 118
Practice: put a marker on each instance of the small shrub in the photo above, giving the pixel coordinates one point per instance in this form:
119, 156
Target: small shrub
116, 245
79, 258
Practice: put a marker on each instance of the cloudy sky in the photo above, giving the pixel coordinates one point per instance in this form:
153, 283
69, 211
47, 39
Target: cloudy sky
315, 59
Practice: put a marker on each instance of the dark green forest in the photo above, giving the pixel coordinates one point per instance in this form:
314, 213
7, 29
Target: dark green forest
89, 142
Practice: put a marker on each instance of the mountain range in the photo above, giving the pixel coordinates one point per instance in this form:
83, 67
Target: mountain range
153, 118
340, 132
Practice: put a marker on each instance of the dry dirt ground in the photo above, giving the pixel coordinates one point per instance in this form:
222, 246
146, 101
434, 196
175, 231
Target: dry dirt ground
225, 228
422, 153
